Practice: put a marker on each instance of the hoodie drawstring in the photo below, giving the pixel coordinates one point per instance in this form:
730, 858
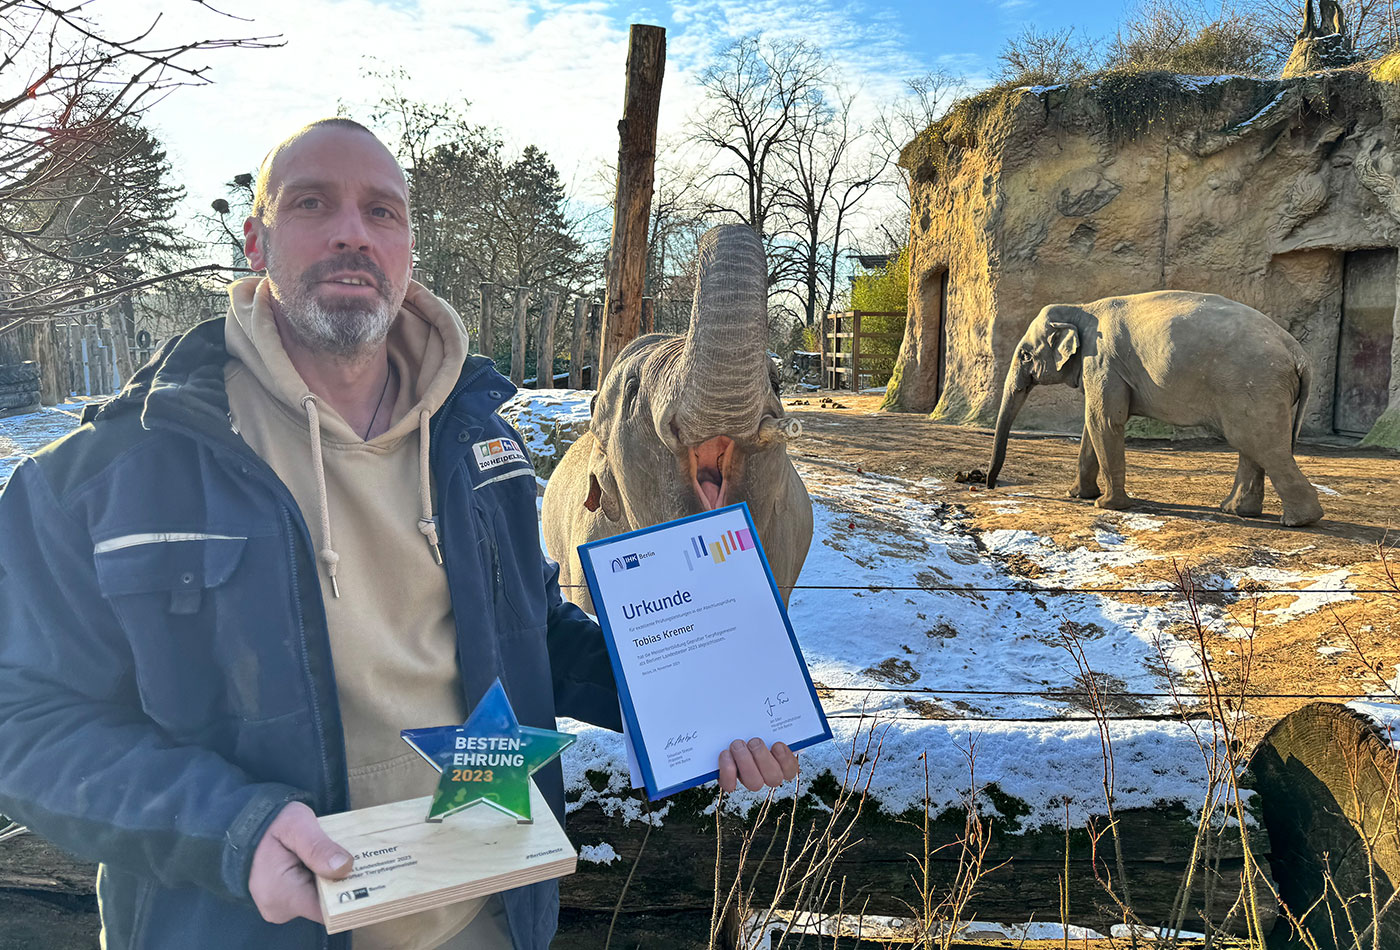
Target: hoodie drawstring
327, 553
426, 524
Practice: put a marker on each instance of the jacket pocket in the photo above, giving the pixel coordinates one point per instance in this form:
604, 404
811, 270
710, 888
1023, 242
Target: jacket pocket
187, 618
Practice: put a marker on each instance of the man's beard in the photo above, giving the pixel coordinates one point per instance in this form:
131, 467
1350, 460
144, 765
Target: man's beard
344, 328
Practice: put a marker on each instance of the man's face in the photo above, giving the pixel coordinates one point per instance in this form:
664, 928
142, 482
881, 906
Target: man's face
335, 239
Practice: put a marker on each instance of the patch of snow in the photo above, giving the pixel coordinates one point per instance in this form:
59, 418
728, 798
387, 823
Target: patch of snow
1241, 126
1386, 715
1321, 590
537, 413
1331, 651
1144, 932
1140, 522
598, 853
1042, 931
1324, 489
25, 434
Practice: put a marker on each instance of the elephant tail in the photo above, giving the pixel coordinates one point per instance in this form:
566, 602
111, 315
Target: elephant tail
1304, 386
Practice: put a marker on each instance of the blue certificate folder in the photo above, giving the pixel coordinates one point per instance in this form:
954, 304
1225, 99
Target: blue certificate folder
700, 643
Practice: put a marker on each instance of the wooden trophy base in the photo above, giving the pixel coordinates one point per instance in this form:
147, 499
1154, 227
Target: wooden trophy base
404, 864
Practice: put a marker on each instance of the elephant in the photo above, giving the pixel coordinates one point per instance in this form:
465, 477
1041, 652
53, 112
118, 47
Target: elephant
1183, 358
687, 424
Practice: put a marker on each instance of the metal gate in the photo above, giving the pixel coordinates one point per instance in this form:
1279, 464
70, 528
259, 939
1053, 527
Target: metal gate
1363, 345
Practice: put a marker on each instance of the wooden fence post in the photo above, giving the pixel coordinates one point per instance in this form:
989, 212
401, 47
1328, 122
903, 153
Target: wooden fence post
636, 160
544, 342
821, 349
116, 319
648, 315
517, 338
580, 344
855, 352
486, 332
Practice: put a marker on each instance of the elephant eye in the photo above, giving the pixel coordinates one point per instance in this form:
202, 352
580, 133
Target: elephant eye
1023, 355
629, 395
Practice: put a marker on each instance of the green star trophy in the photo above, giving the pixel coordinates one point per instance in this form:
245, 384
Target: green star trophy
405, 863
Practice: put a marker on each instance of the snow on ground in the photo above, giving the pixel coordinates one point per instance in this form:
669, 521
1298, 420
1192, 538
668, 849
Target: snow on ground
539, 413
25, 434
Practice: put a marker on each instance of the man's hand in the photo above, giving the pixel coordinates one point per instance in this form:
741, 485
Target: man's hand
756, 765
291, 853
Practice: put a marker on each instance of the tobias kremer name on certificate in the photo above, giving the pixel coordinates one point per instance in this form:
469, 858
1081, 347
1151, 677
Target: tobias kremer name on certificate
701, 645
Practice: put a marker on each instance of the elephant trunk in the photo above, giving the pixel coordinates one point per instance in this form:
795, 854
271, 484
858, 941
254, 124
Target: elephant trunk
723, 375
1012, 399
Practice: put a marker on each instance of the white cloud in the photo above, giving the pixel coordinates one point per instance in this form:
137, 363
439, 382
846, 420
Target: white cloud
547, 72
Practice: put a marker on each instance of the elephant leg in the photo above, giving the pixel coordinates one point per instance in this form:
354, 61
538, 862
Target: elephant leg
1299, 497
1087, 485
1105, 422
1269, 442
1247, 497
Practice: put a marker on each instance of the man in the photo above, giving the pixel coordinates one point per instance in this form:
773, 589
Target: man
222, 599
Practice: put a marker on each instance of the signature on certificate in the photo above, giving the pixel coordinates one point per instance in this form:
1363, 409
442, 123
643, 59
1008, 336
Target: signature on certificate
772, 702
681, 739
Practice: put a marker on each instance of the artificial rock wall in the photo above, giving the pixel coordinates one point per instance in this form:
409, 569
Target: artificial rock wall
1254, 189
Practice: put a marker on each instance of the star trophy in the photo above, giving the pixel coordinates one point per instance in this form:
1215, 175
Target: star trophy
405, 863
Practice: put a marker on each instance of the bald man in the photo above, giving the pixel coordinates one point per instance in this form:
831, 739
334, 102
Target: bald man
283, 542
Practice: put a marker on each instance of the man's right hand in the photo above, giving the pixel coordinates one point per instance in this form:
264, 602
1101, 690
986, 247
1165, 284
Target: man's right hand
291, 853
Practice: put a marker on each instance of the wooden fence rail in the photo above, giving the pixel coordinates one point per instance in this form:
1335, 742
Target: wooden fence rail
843, 363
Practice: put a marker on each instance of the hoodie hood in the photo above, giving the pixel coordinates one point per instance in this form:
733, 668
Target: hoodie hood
427, 345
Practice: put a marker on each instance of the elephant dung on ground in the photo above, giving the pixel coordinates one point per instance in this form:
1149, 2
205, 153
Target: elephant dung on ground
1186, 359
687, 424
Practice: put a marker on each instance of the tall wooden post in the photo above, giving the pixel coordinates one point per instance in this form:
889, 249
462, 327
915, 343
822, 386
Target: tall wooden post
517, 338
580, 344
544, 342
485, 334
595, 332
648, 315
636, 159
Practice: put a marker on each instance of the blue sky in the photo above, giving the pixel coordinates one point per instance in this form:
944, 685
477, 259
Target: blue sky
547, 72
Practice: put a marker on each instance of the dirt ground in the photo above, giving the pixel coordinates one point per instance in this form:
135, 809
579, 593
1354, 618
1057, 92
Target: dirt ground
1180, 484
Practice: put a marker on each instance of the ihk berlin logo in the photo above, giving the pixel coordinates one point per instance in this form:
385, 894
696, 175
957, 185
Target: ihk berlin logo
629, 561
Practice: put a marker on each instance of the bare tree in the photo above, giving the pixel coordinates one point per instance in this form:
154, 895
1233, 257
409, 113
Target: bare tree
69, 94
1036, 58
927, 98
757, 98
828, 169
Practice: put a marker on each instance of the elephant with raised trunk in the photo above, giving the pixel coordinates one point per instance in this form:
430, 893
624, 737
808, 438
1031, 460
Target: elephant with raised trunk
683, 425
1182, 358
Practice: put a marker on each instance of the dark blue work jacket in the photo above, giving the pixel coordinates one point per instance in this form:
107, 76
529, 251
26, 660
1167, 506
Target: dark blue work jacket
166, 683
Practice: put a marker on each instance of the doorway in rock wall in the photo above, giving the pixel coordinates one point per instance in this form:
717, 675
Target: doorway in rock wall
1363, 345
933, 288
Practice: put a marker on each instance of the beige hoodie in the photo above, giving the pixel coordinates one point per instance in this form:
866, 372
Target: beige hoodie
393, 639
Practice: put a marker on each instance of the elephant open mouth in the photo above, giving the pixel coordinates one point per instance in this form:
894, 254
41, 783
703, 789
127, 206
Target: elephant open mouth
711, 463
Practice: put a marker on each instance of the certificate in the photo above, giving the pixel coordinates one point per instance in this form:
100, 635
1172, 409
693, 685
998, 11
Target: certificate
701, 645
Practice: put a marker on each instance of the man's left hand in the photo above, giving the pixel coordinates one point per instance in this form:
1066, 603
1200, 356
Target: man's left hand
756, 765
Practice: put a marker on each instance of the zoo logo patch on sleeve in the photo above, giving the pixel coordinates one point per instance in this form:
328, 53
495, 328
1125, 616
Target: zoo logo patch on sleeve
493, 453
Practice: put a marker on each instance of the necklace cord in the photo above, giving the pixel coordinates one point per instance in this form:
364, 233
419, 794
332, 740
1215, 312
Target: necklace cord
377, 406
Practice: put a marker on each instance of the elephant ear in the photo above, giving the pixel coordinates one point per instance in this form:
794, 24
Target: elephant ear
602, 489
1064, 338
